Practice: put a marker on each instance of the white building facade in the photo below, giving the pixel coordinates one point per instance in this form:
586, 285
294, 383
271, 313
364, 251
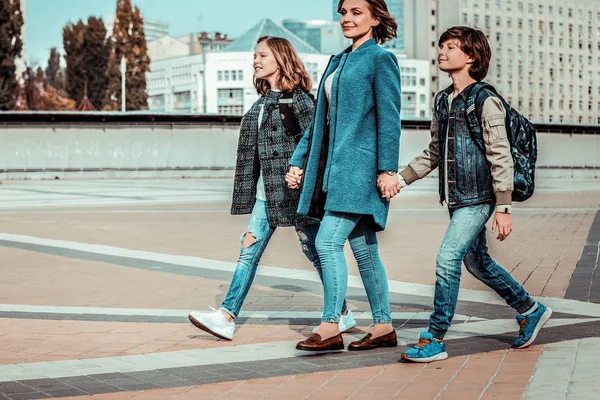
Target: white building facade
213, 83
416, 98
546, 53
223, 82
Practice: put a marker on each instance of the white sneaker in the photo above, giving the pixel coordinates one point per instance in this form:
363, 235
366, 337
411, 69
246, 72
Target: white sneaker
214, 323
347, 322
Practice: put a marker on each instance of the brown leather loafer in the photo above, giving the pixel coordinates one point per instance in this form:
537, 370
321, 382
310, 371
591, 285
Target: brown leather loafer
315, 343
368, 343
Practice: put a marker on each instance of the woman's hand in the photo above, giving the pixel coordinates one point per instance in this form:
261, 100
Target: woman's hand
294, 177
388, 185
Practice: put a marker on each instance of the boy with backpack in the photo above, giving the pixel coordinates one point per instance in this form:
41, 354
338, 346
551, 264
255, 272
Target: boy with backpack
486, 156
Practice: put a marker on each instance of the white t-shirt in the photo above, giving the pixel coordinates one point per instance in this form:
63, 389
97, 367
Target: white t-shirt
260, 185
329, 89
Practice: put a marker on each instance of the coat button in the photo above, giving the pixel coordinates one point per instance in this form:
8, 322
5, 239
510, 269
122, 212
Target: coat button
275, 153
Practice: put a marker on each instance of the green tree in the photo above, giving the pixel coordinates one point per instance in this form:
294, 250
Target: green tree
11, 22
54, 73
139, 65
87, 52
96, 52
73, 35
129, 42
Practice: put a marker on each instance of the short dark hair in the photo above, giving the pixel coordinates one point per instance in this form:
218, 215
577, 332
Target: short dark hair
387, 28
474, 44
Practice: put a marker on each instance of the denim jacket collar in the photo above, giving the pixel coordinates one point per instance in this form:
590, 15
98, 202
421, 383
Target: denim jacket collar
465, 92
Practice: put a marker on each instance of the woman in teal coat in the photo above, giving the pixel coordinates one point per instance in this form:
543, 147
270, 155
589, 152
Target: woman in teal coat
349, 151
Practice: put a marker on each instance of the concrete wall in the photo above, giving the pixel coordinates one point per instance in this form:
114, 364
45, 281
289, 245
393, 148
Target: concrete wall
116, 151
155, 150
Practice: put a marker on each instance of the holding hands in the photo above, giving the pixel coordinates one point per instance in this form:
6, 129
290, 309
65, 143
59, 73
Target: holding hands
388, 185
294, 177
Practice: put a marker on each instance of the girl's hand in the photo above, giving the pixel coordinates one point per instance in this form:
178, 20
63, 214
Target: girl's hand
294, 177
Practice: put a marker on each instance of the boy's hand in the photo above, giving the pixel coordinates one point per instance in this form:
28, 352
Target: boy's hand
388, 185
294, 177
503, 222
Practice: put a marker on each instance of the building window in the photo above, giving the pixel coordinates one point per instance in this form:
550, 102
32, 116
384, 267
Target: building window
231, 110
157, 103
182, 101
230, 101
240, 75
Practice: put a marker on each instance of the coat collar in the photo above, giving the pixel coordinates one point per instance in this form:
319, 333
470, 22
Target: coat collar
369, 43
448, 91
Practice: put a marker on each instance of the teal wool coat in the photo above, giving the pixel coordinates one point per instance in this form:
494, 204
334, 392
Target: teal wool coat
364, 133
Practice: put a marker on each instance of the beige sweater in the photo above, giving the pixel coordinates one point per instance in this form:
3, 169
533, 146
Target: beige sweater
497, 152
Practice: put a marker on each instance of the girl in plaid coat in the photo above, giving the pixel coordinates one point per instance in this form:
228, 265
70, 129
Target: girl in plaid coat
265, 147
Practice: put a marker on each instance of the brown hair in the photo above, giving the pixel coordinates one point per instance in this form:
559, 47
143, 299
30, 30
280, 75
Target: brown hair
474, 44
292, 73
387, 28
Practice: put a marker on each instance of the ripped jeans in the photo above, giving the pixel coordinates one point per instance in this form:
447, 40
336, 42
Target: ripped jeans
250, 256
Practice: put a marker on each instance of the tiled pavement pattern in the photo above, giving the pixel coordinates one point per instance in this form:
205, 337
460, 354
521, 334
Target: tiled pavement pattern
97, 278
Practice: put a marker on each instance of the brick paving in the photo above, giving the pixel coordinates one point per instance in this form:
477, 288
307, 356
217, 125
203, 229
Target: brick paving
551, 251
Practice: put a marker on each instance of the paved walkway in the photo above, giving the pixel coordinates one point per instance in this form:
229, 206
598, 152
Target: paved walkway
98, 278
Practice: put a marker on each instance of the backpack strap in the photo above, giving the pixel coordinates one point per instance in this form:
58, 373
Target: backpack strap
476, 97
437, 104
286, 112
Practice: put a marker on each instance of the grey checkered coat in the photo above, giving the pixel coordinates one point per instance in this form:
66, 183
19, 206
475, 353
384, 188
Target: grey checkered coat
269, 150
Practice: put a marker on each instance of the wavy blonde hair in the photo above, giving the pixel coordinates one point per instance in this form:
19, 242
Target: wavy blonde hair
292, 73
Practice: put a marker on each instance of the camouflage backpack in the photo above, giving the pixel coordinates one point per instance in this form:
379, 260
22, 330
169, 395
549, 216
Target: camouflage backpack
521, 135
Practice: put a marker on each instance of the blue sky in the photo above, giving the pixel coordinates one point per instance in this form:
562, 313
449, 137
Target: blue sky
46, 18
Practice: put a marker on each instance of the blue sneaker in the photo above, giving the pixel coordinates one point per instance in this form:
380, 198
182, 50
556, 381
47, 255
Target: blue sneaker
531, 325
428, 349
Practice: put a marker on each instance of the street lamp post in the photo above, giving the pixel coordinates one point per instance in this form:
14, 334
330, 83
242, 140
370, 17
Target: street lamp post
123, 71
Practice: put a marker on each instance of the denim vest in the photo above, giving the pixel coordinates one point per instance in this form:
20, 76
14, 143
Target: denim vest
469, 176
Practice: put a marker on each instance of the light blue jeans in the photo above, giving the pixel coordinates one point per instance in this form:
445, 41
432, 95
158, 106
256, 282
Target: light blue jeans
247, 265
465, 241
337, 228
